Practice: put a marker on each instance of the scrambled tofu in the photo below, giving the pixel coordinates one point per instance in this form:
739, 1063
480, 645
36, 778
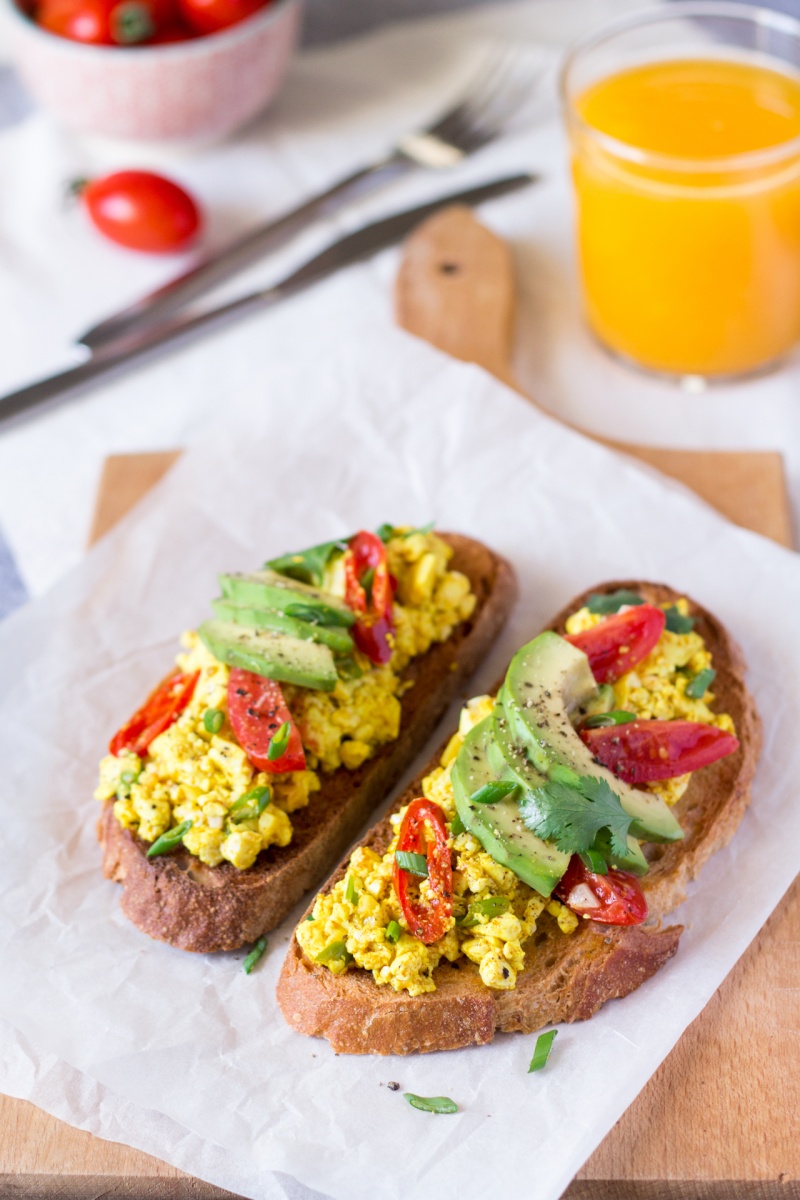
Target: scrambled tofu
192, 774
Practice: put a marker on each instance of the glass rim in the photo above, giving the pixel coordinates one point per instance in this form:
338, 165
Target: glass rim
747, 13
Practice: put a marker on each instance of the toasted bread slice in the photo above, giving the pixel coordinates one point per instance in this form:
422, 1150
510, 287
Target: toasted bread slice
178, 899
566, 978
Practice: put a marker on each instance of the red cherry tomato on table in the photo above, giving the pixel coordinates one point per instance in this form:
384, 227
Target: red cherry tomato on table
161, 708
105, 22
620, 642
428, 919
209, 16
612, 899
256, 711
369, 592
142, 211
645, 750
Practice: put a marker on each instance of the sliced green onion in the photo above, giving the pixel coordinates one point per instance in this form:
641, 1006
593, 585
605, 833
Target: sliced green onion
334, 951
254, 955
601, 702
699, 685
617, 717
309, 917
169, 840
250, 806
348, 668
457, 826
490, 793
611, 602
393, 932
677, 622
544, 1044
415, 864
213, 720
130, 777
594, 861
351, 891
431, 1104
317, 614
489, 906
279, 742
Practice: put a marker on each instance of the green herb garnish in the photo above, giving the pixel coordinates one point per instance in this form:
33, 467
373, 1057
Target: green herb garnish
617, 716
571, 814
415, 864
457, 826
702, 681
432, 1104
489, 907
318, 614
309, 917
333, 952
250, 806
254, 955
541, 1053
130, 777
393, 932
213, 720
308, 565
490, 793
611, 602
387, 532
676, 621
279, 742
169, 840
594, 861
351, 891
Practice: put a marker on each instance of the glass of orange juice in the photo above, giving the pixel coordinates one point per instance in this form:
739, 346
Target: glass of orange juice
684, 125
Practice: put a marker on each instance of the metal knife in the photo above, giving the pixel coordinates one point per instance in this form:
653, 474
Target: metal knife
121, 355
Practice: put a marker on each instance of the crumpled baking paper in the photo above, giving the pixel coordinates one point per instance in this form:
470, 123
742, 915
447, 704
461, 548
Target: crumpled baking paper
408, 436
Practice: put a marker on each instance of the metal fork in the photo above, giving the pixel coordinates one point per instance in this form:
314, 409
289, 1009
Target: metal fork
494, 96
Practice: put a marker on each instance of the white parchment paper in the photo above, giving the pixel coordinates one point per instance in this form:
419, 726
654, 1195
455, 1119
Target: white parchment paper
408, 436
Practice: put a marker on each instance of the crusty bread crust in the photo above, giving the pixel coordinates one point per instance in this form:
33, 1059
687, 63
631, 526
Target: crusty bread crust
566, 978
178, 899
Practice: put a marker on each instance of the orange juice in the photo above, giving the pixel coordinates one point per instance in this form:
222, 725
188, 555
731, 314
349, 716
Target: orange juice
688, 193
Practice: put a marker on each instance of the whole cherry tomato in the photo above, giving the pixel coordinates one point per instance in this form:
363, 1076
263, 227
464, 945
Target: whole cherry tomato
612, 899
142, 211
620, 642
105, 22
256, 711
369, 592
644, 750
426, 920
209, 16
172, 33
161, 708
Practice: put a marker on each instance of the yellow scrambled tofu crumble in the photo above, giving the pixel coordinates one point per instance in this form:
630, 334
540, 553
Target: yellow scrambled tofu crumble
192, 774
357, 912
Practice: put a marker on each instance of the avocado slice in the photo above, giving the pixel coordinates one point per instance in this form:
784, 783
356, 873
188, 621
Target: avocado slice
499, 827
267, 589
633, 861
547, 680
275, 655
338, 639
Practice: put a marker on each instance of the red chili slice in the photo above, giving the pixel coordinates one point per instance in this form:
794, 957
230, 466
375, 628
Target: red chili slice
621, 641
426, 920
160, 709
612, 899
369, 592
256, 711
644, 750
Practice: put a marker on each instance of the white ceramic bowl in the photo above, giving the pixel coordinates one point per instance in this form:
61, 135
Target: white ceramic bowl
191, 91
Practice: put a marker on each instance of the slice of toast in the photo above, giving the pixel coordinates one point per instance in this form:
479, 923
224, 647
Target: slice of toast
178, 899
565, 978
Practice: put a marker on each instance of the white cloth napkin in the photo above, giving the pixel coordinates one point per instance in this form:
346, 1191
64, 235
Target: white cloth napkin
408, 436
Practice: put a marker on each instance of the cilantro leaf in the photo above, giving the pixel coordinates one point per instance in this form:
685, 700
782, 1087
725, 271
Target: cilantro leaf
572, 817
308, 566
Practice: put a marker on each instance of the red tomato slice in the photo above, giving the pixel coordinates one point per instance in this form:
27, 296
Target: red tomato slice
142, 211
620, 642
645, 750
365, 559
256, 711
426, 920
612, 899
160, 709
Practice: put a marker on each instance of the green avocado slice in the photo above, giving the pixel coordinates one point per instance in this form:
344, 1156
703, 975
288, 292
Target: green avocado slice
338, 639
274, 655
268, 589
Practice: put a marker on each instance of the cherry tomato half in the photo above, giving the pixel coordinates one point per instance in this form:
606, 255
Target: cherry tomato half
369, 592
427, 919
256, 711
161, 708
620, 642
644, 750
612, 899
105, 22
142, 211
209, 16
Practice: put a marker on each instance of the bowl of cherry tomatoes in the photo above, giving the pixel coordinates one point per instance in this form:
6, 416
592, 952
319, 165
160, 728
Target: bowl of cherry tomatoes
177, 71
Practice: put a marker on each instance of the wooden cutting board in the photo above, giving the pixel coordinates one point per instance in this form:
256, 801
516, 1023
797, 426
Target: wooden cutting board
720, 1119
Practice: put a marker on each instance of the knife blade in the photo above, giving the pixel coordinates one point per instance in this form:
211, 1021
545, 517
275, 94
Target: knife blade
124, 354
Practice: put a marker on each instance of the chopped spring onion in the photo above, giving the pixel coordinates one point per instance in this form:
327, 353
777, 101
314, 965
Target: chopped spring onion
617, 716
544, 1044
431, 1104
415, 864
593, 861
213, 720
611, 602
457, 826
250, 806
489, 907
130, 777
279, 742
490, 793
677, 622
334, 951
351, 891
699, 685
393, 932
254, 955
169, 840
309, 917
